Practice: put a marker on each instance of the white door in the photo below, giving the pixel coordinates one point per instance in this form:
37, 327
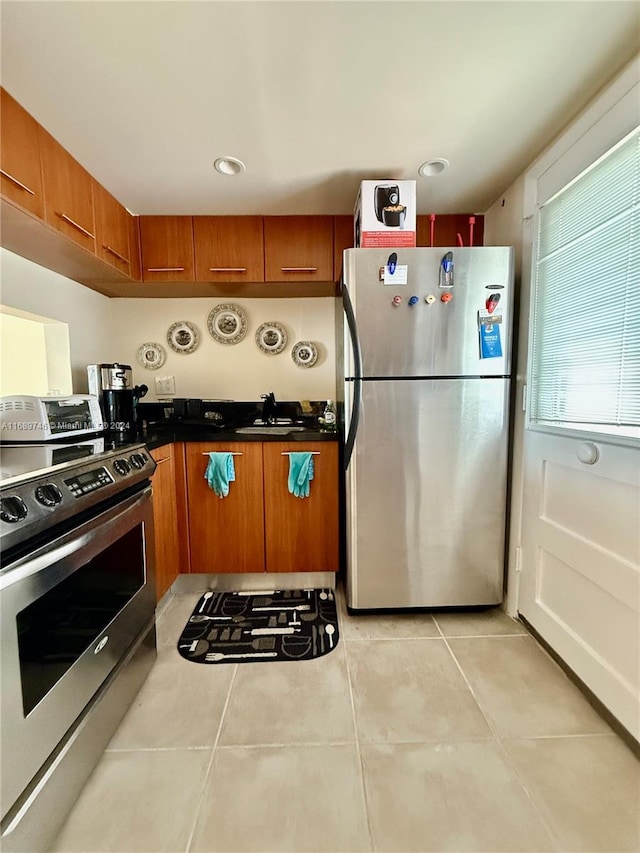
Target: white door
580, 522
580, 586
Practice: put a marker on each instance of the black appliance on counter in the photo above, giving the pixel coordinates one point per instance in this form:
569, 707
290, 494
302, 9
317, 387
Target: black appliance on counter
112, 384
77, 608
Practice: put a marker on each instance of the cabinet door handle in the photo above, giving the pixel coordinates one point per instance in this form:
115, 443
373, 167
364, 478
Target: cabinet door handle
225, 451
165, 269
116, 254
75, 225
16, 182
299, 269
160, 461
227, 269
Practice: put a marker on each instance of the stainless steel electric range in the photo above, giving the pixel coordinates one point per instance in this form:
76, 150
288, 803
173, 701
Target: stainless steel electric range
77, 607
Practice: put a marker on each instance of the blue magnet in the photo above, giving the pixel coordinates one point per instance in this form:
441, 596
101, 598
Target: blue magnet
391, 263
413, 300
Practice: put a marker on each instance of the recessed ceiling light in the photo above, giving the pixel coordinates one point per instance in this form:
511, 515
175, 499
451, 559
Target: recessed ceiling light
432, 167
229, 166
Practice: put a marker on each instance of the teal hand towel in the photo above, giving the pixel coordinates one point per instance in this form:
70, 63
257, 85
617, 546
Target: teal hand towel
300, 473
220, 472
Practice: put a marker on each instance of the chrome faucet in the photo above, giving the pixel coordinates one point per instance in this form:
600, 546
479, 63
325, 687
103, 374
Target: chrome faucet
269, 407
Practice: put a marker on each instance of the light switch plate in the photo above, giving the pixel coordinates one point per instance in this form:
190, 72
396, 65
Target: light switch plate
165, 385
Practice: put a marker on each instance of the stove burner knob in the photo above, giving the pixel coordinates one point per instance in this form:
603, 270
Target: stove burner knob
13, 509
138, 460
48, 495
122, 466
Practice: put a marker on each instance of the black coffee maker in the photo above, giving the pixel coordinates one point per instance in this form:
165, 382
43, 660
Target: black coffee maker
113, 385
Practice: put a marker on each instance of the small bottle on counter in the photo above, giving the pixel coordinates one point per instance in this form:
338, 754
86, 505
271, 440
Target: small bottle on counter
329, 418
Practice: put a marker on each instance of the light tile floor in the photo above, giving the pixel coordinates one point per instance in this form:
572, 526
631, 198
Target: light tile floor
451, 732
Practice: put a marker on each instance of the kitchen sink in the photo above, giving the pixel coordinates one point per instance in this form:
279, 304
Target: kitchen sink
267, 429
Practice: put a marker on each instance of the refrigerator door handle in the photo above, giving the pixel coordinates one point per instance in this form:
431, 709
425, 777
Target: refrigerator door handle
357, 370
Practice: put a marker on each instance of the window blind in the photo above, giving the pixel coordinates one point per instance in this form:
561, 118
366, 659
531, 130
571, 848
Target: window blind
585, 351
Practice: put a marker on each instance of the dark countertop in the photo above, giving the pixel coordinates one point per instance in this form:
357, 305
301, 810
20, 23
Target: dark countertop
219, 421
157, 435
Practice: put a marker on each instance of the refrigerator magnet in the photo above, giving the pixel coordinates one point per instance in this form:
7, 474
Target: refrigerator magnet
490, 343
397, 276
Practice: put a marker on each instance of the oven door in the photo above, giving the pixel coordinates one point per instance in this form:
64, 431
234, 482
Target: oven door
69, 611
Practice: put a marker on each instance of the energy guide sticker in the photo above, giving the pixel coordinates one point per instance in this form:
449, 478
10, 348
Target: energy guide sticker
489, 328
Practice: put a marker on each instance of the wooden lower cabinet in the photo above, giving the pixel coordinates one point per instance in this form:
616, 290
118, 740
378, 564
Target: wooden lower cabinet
169, 556
301, 534
259, 526
226, 535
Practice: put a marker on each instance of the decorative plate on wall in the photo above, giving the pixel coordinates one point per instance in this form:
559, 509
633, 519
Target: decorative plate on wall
227, 323
271, 338
152, 356
304, 354
183, 337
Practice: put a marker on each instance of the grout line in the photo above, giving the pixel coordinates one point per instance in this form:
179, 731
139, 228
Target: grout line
359, 754
539, 811
385, 639
471, 690
483, 636
510, 763
287, 744
210, 764
159, 749
559, 737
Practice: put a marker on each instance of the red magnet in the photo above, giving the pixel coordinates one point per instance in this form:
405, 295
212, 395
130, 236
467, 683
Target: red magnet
492, 302
446, 297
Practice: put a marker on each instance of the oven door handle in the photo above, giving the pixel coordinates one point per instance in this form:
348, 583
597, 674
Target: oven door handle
77, 546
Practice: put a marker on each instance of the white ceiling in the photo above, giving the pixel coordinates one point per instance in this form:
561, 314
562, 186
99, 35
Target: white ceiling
313, 96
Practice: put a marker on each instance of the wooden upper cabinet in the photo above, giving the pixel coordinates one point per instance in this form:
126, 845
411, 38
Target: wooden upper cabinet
446, 230
298, 248
68, 194
342, 239
20, 172
112, 230
301, 534
166, 248
229, 248
134, 247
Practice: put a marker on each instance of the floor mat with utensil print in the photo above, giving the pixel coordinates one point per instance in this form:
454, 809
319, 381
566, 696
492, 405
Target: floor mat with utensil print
245, 627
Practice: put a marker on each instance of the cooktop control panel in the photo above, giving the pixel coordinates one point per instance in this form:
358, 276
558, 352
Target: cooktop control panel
32, 500
89, 481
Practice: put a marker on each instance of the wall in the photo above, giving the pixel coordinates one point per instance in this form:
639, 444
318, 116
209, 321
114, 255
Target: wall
105, 330
26, 375
32, 288
240, 371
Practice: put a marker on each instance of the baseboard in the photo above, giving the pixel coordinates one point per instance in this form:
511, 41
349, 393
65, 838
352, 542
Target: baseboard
260, 582
593, 700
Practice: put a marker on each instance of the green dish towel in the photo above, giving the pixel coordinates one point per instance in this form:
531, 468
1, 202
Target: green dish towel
220, 472
300, 473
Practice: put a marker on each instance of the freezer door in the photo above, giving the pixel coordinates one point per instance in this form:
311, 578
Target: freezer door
426, 494
434, 338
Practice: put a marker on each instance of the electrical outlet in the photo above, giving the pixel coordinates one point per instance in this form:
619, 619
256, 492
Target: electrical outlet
165, 385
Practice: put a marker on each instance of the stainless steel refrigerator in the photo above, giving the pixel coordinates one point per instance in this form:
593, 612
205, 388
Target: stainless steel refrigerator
424, 382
